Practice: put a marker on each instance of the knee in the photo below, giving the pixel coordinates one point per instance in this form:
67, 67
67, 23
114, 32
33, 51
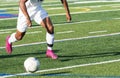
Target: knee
19, 37
51, 30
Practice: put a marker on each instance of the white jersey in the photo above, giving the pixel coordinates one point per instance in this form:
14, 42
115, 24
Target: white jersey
33, 4
35, 11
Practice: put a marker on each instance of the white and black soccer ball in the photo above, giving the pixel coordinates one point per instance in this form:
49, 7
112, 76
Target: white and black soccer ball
31, 64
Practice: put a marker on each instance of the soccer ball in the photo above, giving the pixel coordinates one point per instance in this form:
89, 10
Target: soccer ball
31, 64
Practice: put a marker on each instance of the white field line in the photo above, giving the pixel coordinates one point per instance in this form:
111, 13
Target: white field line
54, 8
63, 68
68, 39
87, 12
57, 1
8, 4
94, 1
64, 32
116, 18
34, 32
14, 8
4, 32
26, 33
81, 65
97, 31
81, 2
40, 32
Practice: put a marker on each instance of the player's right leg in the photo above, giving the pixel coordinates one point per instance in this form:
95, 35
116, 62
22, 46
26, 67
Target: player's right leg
13, 38
47, 23
21, 29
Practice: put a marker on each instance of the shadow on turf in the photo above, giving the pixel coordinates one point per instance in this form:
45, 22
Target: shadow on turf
53, 74
80, 56
59, 74
63, 57
36, 53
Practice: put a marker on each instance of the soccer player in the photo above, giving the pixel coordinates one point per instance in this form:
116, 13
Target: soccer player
65, 4
31, 10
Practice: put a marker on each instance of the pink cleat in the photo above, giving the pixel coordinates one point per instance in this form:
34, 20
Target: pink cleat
8, 46
50, 53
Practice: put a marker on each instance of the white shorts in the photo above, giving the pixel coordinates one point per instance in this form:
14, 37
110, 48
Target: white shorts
37, 16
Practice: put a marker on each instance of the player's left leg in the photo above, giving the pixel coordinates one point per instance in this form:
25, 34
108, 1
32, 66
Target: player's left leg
47, 24
41, 17
17, 36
